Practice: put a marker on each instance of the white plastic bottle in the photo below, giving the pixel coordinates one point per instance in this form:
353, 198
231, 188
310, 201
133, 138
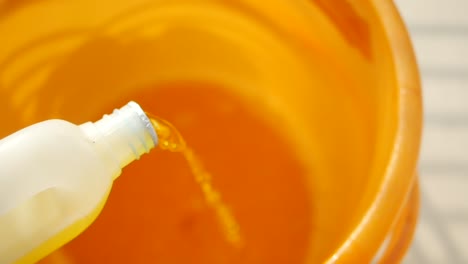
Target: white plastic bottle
55, 177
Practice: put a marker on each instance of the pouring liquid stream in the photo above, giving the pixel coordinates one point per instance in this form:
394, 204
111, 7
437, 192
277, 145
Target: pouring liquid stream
171, 140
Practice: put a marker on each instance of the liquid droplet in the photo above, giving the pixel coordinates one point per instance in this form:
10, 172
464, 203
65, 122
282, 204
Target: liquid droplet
169, 137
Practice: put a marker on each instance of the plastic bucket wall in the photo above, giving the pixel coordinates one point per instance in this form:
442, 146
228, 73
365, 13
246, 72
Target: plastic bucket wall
340, 74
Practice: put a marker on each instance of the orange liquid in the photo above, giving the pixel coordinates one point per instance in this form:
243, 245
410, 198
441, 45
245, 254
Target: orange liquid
157, 212
170, 139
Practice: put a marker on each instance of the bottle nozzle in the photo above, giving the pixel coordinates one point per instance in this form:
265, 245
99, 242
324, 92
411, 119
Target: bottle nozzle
128, 132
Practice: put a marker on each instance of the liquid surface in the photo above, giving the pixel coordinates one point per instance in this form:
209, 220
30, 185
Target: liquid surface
170, 139
157, 212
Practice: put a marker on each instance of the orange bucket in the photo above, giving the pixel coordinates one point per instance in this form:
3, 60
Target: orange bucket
306, 113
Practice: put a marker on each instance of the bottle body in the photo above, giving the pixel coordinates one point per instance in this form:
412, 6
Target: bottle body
54, 179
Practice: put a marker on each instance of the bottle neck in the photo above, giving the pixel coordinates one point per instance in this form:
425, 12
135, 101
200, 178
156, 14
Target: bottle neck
127, 133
